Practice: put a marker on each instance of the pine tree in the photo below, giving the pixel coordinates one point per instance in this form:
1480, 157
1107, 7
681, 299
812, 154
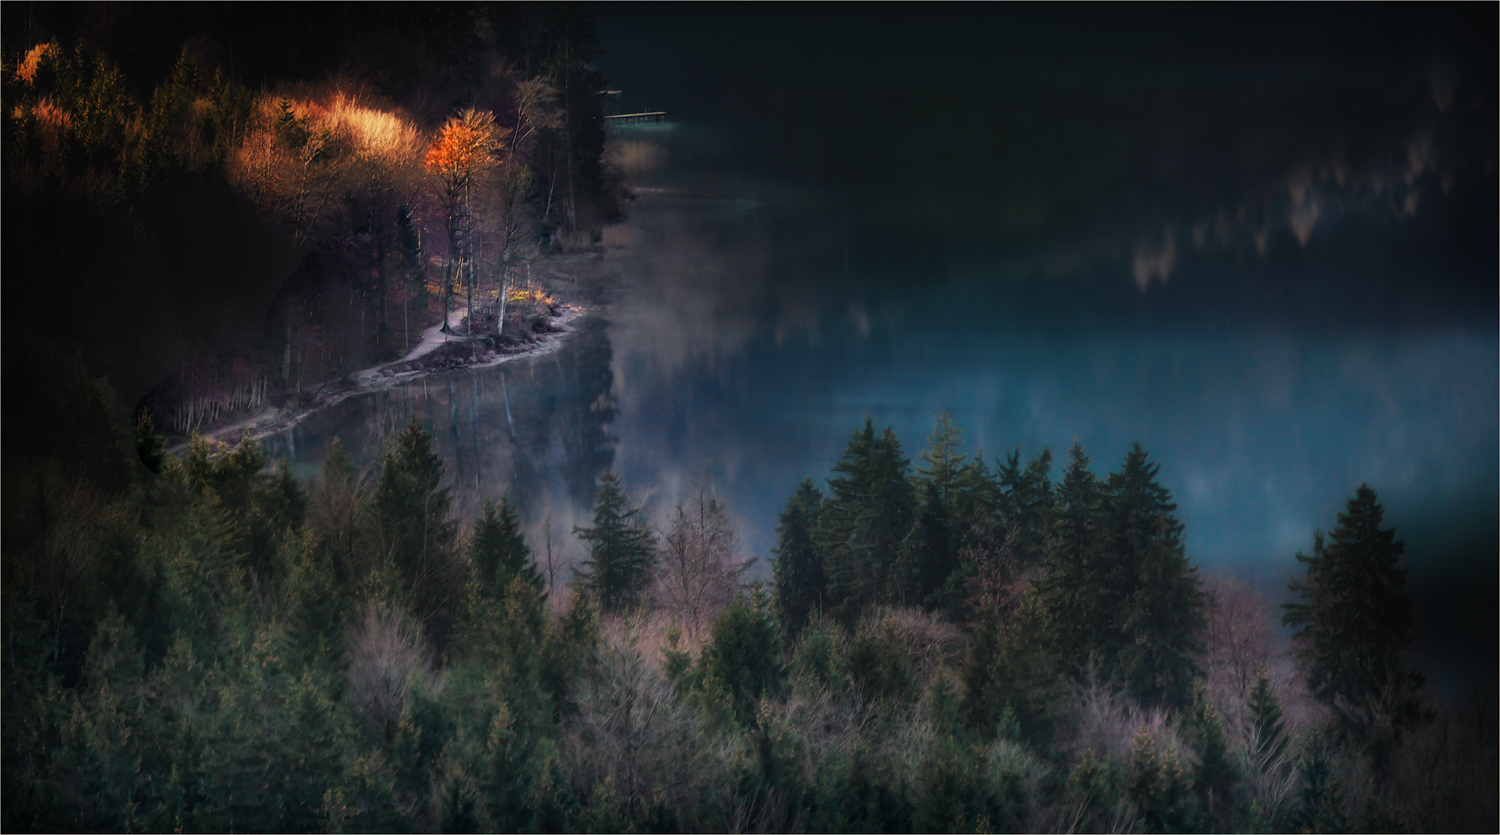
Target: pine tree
1213, 775
1119, 590
1025, 502
975, 525
316, 612
621, 551
411, 512
1161, 612
1157, 786
864, 522
275, 513
338, 512
1073, 584
1353, 623
1267, 739
1319, 793
744, 653
930, 551
798, 565
499, 553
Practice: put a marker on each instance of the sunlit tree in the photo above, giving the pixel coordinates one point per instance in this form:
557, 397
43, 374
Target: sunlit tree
464, 152
385, 173
293, 162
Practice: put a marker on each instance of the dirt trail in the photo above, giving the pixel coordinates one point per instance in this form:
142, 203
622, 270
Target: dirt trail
385, 376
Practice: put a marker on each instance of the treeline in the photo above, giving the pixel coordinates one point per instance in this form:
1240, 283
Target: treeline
213, 646
446, 151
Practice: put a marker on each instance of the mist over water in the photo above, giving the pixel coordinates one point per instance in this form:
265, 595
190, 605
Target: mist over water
1273, 267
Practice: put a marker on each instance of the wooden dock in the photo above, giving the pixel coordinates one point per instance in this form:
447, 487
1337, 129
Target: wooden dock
654, 117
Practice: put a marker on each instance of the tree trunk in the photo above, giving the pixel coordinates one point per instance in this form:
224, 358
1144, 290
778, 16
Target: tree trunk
447, 289
377, 230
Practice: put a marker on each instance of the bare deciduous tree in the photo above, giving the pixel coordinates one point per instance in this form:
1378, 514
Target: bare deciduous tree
631, 733
338, 512
699, 569
386, 660
1240, 639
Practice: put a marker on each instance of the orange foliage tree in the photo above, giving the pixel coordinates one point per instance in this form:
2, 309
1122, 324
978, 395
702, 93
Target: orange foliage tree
465, 151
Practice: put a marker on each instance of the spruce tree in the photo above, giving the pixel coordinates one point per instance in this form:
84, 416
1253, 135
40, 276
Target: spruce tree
498, 552
621, 552
1162, 616
338, 511
1025, 501
974, 522
1213, 775
1352, 625
930, 551
1266, 738
1073, 584
1318, 802
1119, 590
798, 565
416, 531
744, 653
864, 522
1156, 784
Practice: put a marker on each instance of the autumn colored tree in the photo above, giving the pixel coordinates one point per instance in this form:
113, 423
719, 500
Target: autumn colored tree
464, 152
385, 173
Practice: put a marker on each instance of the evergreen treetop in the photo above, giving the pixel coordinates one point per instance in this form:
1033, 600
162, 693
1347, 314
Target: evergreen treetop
864, 521
798, 565
416, 530
1159, 597
498, 551
1119, 589
1352, 624
943, 465
1267, 739
622, 553
1025, 501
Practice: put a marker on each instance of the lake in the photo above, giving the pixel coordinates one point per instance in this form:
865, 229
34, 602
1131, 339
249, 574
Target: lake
1276, 270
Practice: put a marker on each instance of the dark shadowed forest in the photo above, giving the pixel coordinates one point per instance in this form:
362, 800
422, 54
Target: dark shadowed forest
214, 213
955, 647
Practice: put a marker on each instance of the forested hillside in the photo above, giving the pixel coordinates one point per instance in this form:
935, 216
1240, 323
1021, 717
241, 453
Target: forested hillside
952, 648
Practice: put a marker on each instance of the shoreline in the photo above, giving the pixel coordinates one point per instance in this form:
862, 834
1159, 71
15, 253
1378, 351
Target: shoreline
384, 377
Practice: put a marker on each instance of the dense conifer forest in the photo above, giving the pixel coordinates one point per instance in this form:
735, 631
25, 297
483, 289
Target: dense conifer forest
963, 645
